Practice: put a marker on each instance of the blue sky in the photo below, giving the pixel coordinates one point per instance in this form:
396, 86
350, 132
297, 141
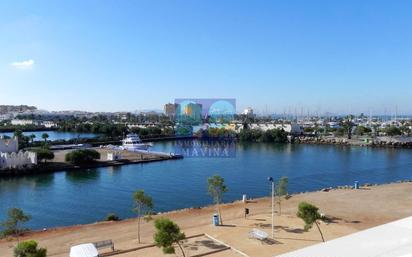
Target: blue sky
101, 55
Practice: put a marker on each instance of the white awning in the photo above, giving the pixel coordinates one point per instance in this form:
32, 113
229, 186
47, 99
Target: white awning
389, 240
83, 250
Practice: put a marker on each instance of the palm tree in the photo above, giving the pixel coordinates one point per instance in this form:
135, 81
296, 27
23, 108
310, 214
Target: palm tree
32, 137
18, 133
45, 136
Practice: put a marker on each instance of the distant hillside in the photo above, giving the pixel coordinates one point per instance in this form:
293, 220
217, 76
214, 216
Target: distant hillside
16, 108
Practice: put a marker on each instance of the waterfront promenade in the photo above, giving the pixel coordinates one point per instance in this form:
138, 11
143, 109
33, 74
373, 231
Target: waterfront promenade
350, 210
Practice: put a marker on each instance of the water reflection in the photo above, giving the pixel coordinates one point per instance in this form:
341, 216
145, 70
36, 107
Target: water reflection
113, 169
82, 175
13, 184
87, 195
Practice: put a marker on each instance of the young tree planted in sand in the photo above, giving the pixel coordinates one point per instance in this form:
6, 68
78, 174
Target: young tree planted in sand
216, 188
144, 207
15, 218
310, 215
167, 235
281, 191
29, 249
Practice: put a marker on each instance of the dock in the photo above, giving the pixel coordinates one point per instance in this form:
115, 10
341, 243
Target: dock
127, 158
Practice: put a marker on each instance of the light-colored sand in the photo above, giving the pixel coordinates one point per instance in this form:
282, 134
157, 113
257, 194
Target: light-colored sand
192, 247
353, 210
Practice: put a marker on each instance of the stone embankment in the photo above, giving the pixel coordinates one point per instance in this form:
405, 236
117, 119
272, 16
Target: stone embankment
387, 142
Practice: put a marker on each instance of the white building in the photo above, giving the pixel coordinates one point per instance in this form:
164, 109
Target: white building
248, 111
114, 156
334, 125
48, 124
12, 158
293, 128
6, 116
17, 160
22, 122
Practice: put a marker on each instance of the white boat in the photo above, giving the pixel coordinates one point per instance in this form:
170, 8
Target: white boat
132, 142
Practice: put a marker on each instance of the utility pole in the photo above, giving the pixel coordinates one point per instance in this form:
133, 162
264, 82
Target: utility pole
273, 206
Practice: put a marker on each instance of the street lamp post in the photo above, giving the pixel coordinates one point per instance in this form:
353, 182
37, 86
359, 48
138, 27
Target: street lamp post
273, 206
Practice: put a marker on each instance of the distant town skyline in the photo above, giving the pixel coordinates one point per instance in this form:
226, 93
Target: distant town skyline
274, 56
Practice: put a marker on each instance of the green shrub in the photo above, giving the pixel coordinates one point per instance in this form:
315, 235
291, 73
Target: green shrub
112, 217
268, 136
44, 154
393, 131
29, 249
82, 156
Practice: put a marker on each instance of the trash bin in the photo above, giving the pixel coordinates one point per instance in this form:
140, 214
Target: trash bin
216, 219
356, 184
246, 212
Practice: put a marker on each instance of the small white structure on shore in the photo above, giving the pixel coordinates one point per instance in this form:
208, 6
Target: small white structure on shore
393, 239
292, 128
21, 122
114, 156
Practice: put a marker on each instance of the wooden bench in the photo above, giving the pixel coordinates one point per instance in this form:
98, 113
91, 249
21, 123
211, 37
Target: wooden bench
104, 244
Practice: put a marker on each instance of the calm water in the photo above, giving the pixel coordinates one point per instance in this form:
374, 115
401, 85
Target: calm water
66, 198
54, 135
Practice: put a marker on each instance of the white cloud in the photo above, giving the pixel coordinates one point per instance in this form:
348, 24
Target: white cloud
23, 65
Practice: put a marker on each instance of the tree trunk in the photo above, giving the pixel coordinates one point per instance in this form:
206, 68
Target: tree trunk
220, 215
17, 230
138, 229
280, 207
181, 249
319, 231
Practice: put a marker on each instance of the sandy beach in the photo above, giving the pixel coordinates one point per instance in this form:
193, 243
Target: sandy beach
350, 210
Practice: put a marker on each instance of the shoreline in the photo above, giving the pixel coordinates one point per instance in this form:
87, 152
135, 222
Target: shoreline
351, 142
349, 210
364, 186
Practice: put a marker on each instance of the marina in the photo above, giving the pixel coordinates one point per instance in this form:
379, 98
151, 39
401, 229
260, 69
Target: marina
95, 192
205, 129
